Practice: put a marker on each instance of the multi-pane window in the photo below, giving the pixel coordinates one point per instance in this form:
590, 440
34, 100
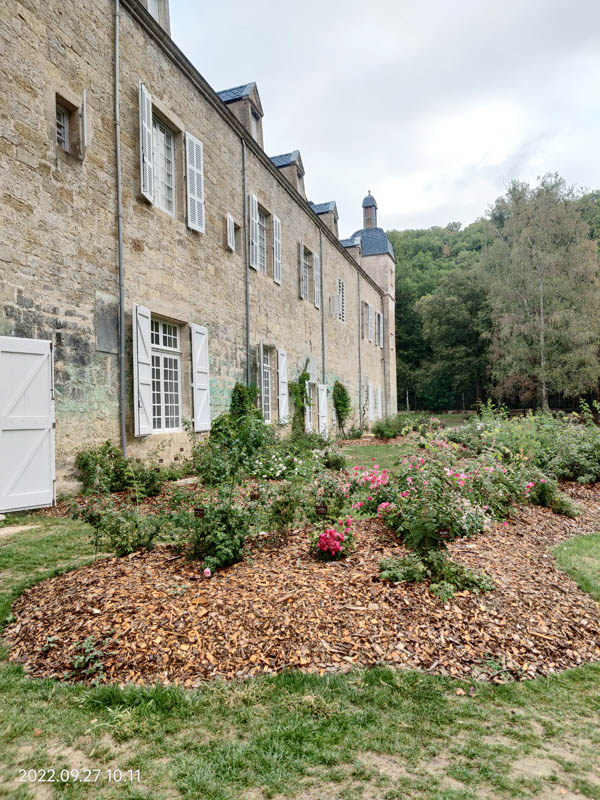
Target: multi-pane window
62, 128
371, 322
304, 275
163, 158
317, 280
378, 329
166, 375
266, 385
342, 296
262, 241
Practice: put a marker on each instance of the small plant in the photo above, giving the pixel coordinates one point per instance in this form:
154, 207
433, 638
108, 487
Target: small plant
87, 661
333, 459
335, 541
355, 432
103, 470
445, 577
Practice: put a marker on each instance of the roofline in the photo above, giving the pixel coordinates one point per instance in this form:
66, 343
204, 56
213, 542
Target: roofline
162, 38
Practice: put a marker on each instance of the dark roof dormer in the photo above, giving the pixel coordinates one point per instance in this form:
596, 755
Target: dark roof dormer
329, 214
244, 102
290, 165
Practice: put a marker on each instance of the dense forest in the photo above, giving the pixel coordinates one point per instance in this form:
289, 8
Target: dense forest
507, 307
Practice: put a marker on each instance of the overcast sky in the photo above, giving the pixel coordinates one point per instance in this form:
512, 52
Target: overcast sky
433, 105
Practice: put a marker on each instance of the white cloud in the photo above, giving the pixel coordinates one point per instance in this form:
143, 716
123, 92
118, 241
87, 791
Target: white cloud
434, 106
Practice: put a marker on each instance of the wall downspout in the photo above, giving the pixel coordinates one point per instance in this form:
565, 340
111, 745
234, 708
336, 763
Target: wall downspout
246, 262
386, 386
122, 387
360, 412
322, 307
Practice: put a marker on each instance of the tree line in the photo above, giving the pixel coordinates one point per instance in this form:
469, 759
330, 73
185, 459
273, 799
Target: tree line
507, 308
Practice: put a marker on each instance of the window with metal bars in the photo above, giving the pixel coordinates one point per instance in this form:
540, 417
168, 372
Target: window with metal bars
62, 128
166, 375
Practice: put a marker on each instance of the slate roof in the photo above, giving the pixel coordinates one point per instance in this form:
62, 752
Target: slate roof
230, 95
324, 208
352, 242
374, 242
369, 201
286, 159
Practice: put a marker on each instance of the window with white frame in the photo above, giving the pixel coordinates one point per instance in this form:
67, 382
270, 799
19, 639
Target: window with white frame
266, 385
305, 272
63, 128
378, 329
262, 241
276, 249
166, 375
163, 161
342, 296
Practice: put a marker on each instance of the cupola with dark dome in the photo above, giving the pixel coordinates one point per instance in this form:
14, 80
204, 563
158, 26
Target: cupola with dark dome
369, 205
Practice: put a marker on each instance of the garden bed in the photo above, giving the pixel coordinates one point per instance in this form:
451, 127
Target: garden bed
154, 617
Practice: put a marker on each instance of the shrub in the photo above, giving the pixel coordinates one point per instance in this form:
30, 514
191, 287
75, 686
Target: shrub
335, 541
214, 535
355, 432
445, 577
326, 499
103, 470
123, 531
334, 459
341, 403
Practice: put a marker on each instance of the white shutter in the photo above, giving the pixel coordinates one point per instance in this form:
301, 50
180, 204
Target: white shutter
379, 404
322, 409
364, 323
26, 424
142, 371
370, 402
253, 211
194, 179
200, 378
283, 394
371, 322
276, 250
84, 128
230, 232
260, 358
146, 165
317, 279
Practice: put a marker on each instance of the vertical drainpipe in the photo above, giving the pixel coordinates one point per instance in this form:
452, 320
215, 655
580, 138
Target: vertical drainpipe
322, 307
385, 375
360, 414
122, 395
246, 262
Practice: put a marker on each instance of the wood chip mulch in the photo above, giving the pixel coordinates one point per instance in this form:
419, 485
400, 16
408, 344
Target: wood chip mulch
282, 609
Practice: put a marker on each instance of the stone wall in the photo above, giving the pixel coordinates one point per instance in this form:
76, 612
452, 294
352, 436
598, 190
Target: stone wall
58, 246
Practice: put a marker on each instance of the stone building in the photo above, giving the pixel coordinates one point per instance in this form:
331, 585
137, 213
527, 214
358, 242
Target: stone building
152, 254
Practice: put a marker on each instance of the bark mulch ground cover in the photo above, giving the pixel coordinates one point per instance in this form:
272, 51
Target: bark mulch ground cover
154, 617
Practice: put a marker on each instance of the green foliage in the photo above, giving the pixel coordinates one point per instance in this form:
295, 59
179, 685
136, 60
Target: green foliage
342, 404
403, 423
445, 577
544, 293
243, 400
326, 500
217, 537
334, 459
299, 395
354, 433
122, 531
103, 470
87, 661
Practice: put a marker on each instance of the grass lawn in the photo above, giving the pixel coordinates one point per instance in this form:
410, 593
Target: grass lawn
580, 558
370, 734
386, 455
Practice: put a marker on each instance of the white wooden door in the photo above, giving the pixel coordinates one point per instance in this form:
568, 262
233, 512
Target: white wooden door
26, 424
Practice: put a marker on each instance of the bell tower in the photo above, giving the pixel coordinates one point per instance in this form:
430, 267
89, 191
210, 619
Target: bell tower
369, 206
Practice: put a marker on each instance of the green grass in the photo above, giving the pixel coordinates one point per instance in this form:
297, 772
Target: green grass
386, 455
375, 734
580, 558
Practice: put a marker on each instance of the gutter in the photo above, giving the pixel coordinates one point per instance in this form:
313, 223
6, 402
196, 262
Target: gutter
322, 308
246, 261
122, 387
358, 317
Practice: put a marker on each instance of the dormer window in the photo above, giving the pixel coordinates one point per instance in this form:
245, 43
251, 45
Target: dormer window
153, 8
